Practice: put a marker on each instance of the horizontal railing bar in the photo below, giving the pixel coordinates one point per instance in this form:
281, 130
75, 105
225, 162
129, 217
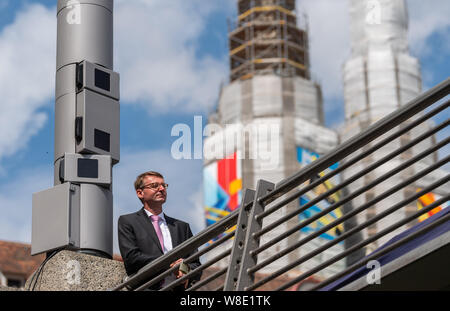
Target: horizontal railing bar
357, 211
341, 219
211, 246
377, 129
159, 277
385, 250
349, 197
190, 259
197, 270
375, 237
354, 160
181, 250
208, 279
359, 175
351, 249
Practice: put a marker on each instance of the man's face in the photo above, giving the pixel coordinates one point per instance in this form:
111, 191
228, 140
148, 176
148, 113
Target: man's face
150, 193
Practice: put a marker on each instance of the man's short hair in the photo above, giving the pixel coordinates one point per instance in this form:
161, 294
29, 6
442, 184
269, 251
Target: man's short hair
139, 183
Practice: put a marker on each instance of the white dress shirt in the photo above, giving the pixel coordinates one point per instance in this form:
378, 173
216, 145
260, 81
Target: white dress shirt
164, 230
167, 241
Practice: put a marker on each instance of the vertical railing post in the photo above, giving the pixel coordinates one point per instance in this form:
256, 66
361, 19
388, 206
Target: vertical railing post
239, 241
244, 278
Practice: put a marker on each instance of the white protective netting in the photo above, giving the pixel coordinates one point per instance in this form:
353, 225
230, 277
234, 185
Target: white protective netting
378, 23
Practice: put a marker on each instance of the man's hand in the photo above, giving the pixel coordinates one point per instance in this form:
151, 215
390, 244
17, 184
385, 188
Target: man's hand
178, 273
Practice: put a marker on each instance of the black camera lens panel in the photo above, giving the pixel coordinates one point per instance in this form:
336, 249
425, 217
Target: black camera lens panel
87, 168
103, 80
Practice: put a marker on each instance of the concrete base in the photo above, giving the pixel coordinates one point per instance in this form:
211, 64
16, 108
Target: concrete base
9, 289
71, 271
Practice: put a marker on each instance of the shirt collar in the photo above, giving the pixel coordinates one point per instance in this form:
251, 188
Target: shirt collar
161, 216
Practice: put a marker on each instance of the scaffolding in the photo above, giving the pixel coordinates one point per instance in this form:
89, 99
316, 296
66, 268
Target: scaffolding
266, 39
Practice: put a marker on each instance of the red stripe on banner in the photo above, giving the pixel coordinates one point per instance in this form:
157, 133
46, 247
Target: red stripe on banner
226, 173
234, 202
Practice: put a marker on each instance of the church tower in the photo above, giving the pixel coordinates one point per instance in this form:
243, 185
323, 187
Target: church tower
269, 121
379, 77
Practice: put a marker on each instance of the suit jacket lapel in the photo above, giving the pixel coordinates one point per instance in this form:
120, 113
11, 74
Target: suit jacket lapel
172, 230
148, 225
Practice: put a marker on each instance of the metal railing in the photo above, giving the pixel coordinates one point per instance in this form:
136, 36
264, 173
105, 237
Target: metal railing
246, 258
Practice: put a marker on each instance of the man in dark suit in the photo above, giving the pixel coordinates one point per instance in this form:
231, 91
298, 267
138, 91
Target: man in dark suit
149, 233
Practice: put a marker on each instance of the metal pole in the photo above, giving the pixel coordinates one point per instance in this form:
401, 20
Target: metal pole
77, 213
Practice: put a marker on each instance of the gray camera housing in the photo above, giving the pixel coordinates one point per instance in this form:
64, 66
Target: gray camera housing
97, 129
81, 168
72, 216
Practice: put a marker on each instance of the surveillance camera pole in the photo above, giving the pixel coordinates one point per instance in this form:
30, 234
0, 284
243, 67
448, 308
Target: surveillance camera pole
77, 213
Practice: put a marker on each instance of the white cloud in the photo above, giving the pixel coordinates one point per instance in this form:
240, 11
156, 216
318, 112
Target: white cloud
156, 55
27, 69
16, 202
329, 39
329, 33
425, 19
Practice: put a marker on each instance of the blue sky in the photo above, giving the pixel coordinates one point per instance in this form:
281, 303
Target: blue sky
172, 57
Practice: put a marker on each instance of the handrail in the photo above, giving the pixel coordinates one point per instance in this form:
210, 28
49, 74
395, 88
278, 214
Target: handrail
402, 114
181, 250
268, 199
387, 249
413, 108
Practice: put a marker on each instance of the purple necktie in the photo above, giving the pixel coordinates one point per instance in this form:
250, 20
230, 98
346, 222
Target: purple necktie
155, 222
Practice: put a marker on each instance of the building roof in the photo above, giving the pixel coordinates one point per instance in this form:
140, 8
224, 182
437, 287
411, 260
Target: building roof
16, 259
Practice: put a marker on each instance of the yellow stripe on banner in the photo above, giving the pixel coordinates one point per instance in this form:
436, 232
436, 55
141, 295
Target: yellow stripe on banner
231, 229
213, 218
265, 9
329, 185
424, 201
424, 216
235, 186
338, 212
217, 211
326, 220
226, 232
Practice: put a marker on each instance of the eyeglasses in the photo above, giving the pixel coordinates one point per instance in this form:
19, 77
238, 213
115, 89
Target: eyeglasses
155, 185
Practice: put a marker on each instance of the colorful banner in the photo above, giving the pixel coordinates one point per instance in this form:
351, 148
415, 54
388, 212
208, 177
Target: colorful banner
306, 157
222, 185
426, 200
